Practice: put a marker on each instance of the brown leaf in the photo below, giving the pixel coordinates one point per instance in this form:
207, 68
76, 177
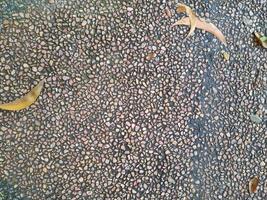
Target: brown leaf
253, 184
202, 24
262, 39
182, 8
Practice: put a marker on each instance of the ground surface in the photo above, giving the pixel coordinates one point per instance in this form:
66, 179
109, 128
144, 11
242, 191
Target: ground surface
110, 124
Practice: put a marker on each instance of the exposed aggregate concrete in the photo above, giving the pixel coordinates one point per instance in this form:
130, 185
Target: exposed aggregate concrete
112, 124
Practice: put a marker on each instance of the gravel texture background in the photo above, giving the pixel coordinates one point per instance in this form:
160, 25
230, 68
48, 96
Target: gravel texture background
111, 124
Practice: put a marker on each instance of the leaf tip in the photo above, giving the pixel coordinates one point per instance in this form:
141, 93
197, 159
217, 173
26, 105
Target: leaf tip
253, 184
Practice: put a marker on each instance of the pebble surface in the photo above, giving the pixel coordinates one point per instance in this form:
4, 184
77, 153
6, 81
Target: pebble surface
131, 109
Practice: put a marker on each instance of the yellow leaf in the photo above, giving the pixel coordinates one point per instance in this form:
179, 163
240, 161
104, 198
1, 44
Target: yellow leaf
253, 184
202, 24
24, 101
192, 17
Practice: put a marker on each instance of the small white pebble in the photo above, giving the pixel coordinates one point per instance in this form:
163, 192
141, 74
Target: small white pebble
84, 23
25, 65
129, 9
65, 78
34, 69
81, 179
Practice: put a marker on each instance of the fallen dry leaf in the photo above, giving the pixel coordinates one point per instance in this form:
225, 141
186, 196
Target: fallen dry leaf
182, 8
24, 101
151, 56
262, 39
202, 24
253, 184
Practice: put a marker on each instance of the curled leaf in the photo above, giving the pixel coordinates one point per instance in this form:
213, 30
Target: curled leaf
182, 8
262, 39
202, 24
24, 101
253, 184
